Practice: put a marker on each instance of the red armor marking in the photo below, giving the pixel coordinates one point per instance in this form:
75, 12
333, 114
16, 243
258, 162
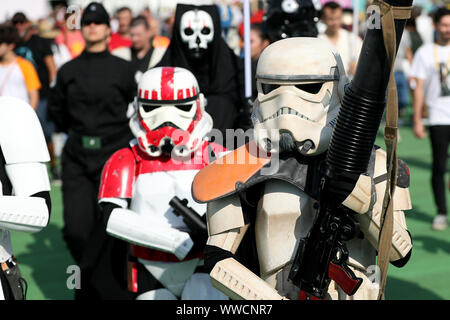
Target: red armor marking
180, 94
140, 93
146, 94
144, 125
194, 143
141, 143
154, 95
188, 93
154, 136
167, 89
191, 126
118, 175
193, 91
199, 117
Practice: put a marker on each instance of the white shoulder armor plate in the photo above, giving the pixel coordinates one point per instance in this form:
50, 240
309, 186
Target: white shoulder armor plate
21, 136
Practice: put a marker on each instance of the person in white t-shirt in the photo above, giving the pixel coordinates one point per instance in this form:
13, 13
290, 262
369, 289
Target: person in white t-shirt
431, 70
348, 44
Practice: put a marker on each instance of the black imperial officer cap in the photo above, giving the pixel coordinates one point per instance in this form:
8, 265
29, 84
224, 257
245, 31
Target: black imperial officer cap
96, 13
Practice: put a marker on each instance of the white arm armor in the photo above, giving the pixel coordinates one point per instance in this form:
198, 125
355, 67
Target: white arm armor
21, 136
148, 232
25, 151
22, 212
28, 178
367, 199
18, 213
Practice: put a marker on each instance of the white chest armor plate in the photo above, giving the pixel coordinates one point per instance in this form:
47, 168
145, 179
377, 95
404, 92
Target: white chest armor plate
285, 215
153, 191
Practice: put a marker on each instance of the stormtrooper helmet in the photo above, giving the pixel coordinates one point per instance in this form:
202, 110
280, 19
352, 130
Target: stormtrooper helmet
300, 83
197, 32
170, 116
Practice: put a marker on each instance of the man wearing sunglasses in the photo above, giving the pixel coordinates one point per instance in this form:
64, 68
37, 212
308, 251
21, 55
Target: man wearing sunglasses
89, 101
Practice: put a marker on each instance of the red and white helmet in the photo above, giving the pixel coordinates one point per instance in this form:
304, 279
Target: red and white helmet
170, 112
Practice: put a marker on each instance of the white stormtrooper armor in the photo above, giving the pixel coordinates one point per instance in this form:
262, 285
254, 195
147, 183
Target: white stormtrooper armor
300, 86
170, 148
23, 174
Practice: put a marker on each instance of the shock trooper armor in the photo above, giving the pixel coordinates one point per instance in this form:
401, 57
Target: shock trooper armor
170, 126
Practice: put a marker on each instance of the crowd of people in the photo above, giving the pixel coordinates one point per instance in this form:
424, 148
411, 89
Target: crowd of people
83, 82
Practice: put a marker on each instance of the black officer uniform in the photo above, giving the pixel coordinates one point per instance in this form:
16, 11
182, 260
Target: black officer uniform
89, 102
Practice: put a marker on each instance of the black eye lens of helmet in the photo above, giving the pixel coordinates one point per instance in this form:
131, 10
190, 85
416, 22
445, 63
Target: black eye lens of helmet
206, 30
188, 31
269, 87
184, 107
310, 87
149, 107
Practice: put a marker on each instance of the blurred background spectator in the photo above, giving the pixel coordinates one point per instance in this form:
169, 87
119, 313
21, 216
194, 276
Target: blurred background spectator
70, 36
347, 43
402, 66
61, 53
122, 38
431, 71
411, 27
146, 48
18, 77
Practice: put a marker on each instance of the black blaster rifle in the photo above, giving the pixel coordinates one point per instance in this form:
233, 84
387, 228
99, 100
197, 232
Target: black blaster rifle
191, 218
321, 256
